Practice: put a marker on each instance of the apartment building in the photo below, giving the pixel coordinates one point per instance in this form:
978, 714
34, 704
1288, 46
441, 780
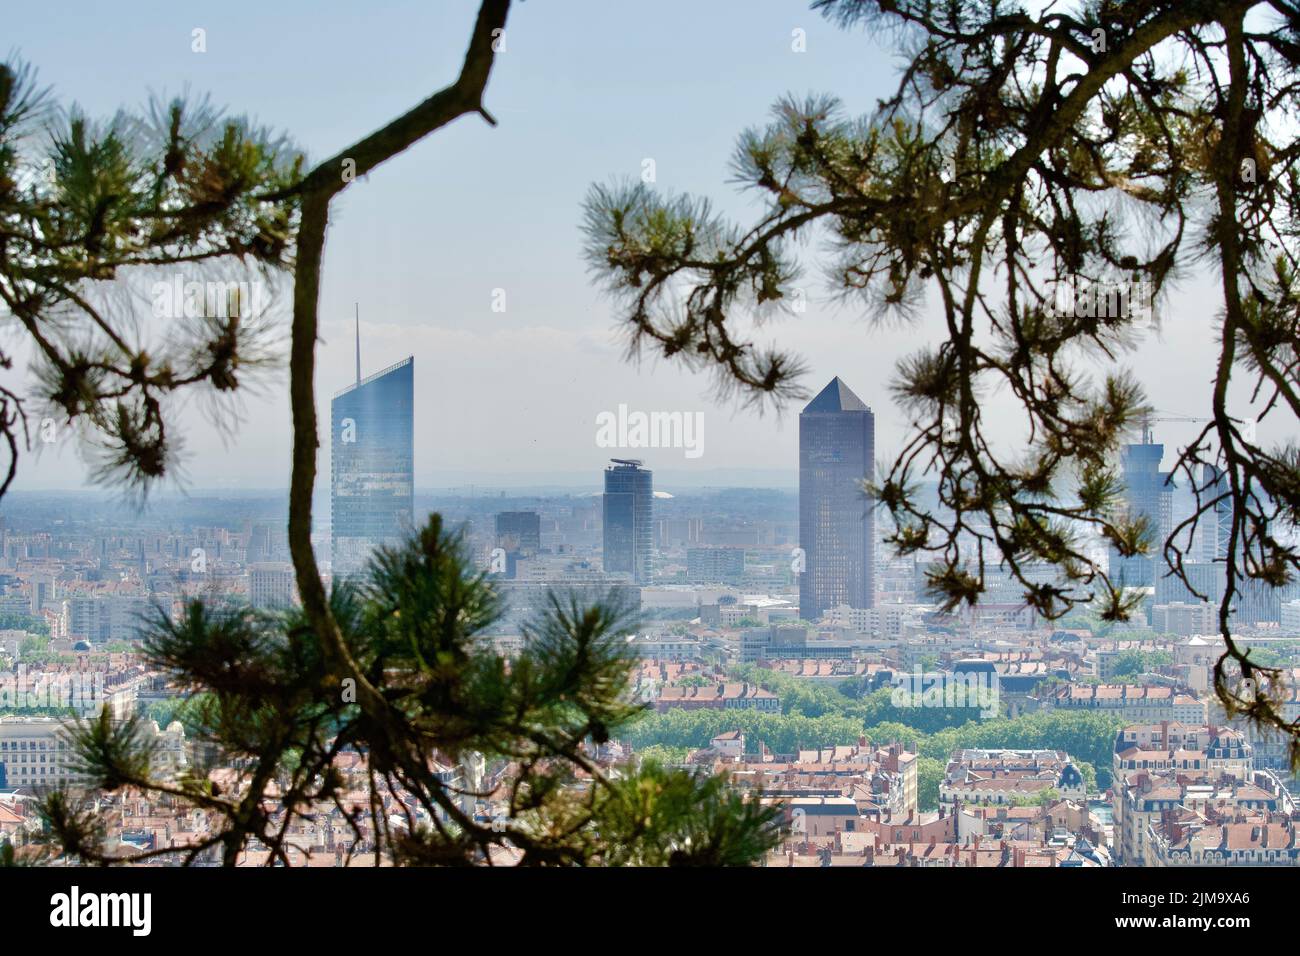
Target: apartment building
667, 647
1145, 801
1184, 619
1009, 776
880, 781
720, 696
35, 752
1182, 747
1138, 703
272, 585
106, 618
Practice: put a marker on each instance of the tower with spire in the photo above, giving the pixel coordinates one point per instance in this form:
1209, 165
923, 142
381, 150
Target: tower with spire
372, 462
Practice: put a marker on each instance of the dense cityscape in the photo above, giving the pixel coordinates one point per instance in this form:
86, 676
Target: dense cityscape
780, 645
723, 439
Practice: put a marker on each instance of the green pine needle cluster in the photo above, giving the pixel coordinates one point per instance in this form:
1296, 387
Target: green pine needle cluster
265, 700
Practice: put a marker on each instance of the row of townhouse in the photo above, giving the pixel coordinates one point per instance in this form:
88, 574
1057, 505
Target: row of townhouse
1010, 776
1183, 794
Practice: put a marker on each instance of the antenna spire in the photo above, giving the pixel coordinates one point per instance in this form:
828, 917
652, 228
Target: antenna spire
358, 305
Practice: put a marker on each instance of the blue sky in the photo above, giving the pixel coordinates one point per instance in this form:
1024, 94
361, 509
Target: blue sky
585, 91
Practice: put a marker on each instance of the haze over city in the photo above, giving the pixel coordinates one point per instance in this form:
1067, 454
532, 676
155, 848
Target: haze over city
422, 244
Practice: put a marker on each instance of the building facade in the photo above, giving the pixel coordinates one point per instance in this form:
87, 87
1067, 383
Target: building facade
109, 618
272, 584
519, 532
518, 536
715, 565
837, 434
1147, 494
629, 520
1010, 776
372, 465
36, 753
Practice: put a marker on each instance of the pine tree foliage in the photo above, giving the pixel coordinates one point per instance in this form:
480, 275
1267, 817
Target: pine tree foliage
93, 216
267, 701
1105, 147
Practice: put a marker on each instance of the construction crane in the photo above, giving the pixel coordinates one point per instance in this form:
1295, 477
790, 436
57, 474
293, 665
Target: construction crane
1147, 420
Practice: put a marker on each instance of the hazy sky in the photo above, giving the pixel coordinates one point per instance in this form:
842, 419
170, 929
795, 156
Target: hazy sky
585, 91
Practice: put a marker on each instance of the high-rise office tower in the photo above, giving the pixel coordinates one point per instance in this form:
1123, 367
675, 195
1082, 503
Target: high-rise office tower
629, 520
520, 532
1216, 523
372, 464
1147, 493
519, 535
837, 524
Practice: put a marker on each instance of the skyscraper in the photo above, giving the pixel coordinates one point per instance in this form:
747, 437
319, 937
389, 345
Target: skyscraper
837, 525
1216, 523
372, 464
1147, 493
629, 520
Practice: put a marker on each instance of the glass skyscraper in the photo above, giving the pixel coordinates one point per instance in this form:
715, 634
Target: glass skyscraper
629, 520
837, 524
1148, 493
372, 464
1216, 523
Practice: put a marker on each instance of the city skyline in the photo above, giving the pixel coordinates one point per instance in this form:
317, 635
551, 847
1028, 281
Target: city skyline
766, 433
428, 291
